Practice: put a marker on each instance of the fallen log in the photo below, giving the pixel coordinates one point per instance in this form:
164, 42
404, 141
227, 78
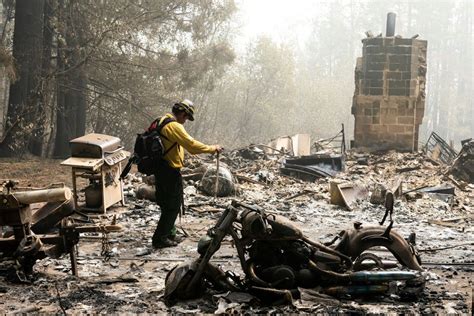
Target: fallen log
46, 195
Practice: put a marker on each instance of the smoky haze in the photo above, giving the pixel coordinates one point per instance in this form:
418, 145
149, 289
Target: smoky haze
298, 77
256, 70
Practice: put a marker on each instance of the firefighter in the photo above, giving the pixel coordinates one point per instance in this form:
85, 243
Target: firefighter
168, 180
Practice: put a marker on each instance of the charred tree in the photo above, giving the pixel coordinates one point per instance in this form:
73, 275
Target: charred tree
61, 147
24, 105
71, 81
37, 141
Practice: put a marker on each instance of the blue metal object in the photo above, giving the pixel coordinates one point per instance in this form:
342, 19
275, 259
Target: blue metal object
382, 276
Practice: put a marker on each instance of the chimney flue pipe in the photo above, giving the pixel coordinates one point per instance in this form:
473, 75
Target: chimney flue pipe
391, 18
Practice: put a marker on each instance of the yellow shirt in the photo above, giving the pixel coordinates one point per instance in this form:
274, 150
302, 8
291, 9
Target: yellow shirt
175, 133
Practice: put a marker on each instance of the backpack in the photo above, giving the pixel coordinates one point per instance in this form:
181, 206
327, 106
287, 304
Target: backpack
149, 150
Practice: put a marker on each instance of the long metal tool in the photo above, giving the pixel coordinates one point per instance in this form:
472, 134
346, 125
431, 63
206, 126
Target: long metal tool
217, 176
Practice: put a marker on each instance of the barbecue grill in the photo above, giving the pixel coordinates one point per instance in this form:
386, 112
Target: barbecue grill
97, 157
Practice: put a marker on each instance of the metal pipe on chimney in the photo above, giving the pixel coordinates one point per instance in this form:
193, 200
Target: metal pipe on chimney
391, 18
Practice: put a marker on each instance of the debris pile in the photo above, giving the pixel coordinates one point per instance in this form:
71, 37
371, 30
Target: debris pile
429, 207
315, 166
48, 230
463, 166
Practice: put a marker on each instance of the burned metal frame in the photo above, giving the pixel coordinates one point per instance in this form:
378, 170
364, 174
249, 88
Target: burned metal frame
313, 167
338, 141
331, 266
319, 165
434, 143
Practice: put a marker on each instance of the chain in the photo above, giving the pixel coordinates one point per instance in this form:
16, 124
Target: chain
105, 245
20, 273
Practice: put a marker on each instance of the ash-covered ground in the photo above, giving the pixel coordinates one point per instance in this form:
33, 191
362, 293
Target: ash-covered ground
132, 279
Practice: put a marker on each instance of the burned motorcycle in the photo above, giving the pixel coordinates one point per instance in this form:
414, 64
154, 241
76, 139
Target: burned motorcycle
277, 259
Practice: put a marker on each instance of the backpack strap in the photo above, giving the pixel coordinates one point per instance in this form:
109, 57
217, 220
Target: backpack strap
156, 126
168, 150
165, 122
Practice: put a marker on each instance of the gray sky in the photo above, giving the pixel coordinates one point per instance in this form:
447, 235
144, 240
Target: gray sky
278, 19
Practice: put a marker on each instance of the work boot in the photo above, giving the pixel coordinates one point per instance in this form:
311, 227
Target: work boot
176, 238
164, 243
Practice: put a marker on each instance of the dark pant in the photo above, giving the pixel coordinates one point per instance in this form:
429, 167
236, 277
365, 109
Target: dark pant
169, 196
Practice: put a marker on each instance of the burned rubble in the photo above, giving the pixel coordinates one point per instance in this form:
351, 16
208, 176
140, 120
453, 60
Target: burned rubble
122, 273
279, 221
463, 166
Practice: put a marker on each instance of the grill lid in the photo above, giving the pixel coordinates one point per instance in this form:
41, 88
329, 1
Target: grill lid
94, 145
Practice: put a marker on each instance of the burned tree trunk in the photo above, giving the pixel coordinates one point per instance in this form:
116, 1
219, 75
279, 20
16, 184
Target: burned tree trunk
37, 141
72, 82
61, 147
24, 104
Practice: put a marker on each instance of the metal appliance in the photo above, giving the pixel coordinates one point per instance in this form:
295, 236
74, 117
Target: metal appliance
98, 158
